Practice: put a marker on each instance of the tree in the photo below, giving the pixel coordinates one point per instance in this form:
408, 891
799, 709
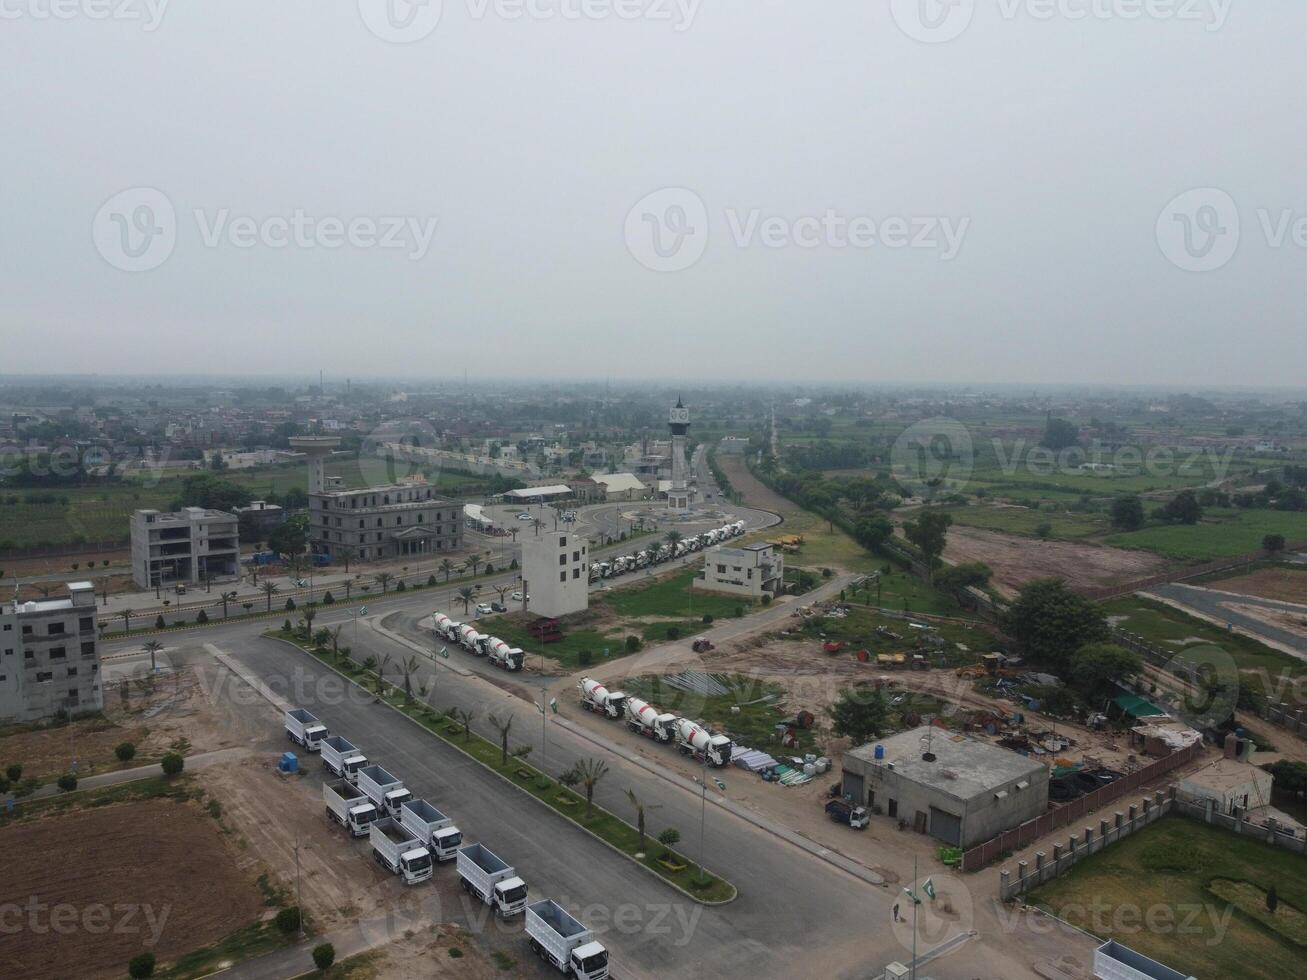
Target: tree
1050, 622
141, 966
1273, 543
202, 617
67, 782
859, 715
321, 638
288, 919
127, 615
1059, 434
929, 533
309, 615
173, 764
461, 717
324, 954
672, 538
587, 773
955, 578
447, 567
465, 596
211, 492
474, 561
382, 664
669, 838
1096, 667
503, 726
269, 589
1183, 508
152, 647
291, 537
639, 814
872, 532
1044, 531
125, 751
1272, 900
1128, 513
409, 667
383, 579
225, 598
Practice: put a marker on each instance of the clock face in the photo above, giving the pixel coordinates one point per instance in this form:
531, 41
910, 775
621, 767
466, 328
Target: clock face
680, 415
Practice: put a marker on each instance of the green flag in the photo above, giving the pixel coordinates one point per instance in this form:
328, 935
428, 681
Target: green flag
444, 652
909, 893
928, 887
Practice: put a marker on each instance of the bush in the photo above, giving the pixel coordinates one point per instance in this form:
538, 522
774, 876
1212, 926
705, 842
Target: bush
324, 955
707, 619
290, 604
455, 953
173, 764
739, 612
125, 751
288, 919
202, 617
431, 580
158, 622
68, 782
27, 787
512, 565
327, 599
585, 658
400, 586
766, 598
632, 644
14, 773
673, 633
141, 966
669, 838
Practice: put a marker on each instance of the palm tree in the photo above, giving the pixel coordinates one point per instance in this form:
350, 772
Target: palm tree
447, 567
513, 531
463, 717
639, 813
465, 595
409, 668
537, 523
269, 589
672, 537
474, 561
225, 598
382, 664
588, 772
127, 615
383, 579
502, 590
335, 639
308, 616
503, 726
152, 647
321, 638
347, 552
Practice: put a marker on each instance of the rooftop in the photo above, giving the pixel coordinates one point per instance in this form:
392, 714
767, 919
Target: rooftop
554, 490
1227, 774
963, 767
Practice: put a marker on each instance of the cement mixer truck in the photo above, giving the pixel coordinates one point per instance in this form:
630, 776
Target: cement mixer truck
501, 654
693, 739
595, 697
467, 638
643, 719
445, 627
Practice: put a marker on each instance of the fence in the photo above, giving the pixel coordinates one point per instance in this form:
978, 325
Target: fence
1032, 830
1183, 573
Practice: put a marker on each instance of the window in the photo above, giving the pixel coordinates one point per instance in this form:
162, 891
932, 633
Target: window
86, 624
721, 569
27, 629
29, 655
576, 556
562, 576
88, 649
9, 652
44, 675
8, 627
562, 559
562, 542
576, 573
72, 671
57, 653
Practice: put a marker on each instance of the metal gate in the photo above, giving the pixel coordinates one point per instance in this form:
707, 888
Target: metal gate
854, 787
945, 826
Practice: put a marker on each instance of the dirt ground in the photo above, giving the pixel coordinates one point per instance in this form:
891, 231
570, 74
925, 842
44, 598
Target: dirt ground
1284, 584
100, 875
426, 955
1016, 560
755, 493
175, 712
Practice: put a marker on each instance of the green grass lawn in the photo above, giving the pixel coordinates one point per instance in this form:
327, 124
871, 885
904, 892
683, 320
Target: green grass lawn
1166, 874
858, 631
1172, 630
672, 596
905, 592
567, 651
1221, 534
1023, 520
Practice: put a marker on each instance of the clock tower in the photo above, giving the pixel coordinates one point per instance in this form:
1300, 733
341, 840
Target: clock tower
678, 496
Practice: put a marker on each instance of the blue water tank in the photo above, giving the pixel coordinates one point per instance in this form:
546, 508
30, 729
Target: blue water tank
289, 762
880, 752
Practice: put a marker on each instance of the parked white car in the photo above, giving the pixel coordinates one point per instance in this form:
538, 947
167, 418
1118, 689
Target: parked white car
517, 597
483, 609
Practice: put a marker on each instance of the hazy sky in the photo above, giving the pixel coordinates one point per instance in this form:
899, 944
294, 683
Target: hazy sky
873, 190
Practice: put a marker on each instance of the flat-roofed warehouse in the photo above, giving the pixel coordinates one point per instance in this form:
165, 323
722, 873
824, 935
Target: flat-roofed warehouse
958, 789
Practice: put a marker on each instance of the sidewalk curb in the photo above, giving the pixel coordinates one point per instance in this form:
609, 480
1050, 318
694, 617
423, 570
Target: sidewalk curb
579, 826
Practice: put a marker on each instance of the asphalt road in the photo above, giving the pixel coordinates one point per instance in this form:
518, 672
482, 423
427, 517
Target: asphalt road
792, 908
1213, 603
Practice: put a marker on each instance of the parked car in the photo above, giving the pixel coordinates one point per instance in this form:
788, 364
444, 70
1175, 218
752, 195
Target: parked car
484, 609
524, 517
498, 606
517, 597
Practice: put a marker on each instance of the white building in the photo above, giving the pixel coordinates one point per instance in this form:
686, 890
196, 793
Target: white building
555, 570
188, 547
754, 570
49, 658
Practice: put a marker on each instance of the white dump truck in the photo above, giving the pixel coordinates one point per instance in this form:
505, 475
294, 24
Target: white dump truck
596, 697
563, 943
384, 789
693, 739
501, 654
348, 806
341, 757
644, 719
487, 877
304, 729
435, 830
398, 849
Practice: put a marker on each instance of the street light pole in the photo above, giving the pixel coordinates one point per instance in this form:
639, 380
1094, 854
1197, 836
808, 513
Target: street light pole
299, 904
703, 812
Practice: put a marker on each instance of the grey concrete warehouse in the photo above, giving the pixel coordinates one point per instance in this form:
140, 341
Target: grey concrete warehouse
958, 789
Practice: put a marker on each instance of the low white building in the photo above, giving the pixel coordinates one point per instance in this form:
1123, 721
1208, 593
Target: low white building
753, 570
555, 570
1233, 786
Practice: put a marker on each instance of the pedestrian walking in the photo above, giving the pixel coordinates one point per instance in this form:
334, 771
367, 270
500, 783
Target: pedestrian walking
896, 911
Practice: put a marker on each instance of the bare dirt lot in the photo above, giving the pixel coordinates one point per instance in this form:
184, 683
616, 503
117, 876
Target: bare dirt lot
89, 890
1284, 584
1016, 560
1280, 618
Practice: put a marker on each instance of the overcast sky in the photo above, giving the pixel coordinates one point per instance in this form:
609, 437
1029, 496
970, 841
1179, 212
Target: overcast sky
850, 190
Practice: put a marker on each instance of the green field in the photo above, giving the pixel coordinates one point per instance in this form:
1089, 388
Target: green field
672, 597
1191, 896
1169, 629
858, 631
1022, 520
1220, 534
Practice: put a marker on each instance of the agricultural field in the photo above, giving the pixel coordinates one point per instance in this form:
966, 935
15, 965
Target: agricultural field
1287, 583
1064, 525
960, 643
1220, 534
1207, 886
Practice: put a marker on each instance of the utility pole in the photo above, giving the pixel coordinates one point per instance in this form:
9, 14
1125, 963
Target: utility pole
299, 904
703, 812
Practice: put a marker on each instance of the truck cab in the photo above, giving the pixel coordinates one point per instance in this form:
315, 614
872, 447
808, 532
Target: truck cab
590, 962
395, 799
445, 843
510, 896
416, 865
